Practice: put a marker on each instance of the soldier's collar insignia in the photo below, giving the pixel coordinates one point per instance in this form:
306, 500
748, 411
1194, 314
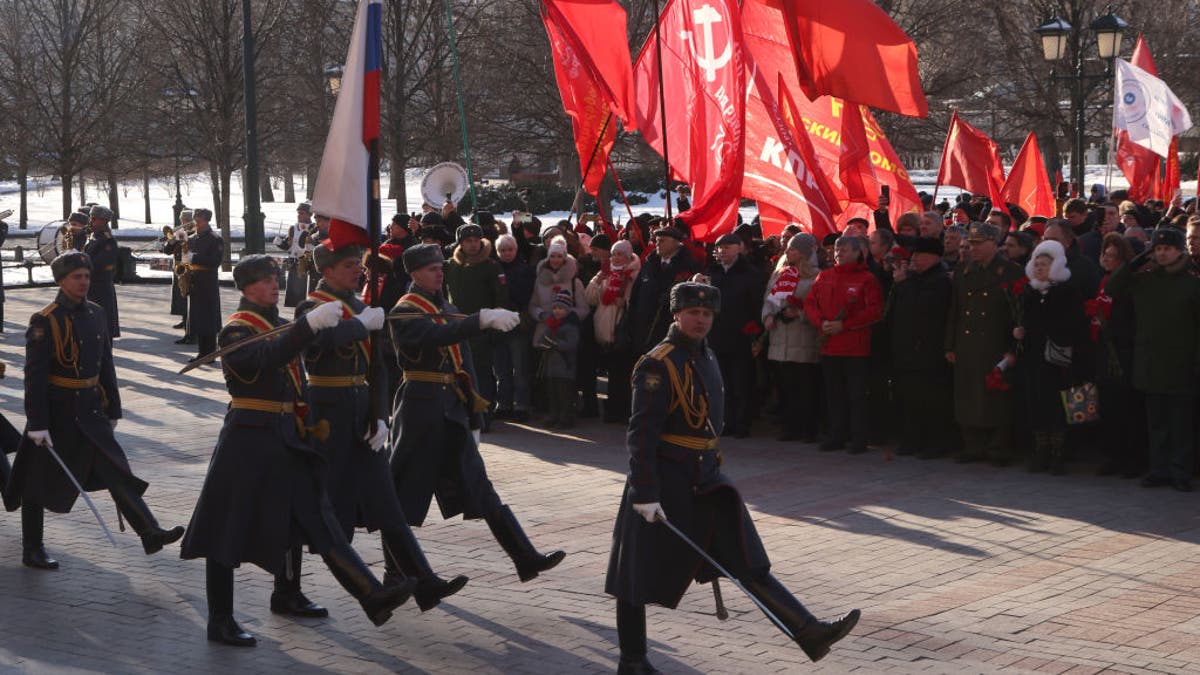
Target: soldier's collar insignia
653, 382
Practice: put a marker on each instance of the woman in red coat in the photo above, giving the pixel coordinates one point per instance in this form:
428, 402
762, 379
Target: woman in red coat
844, 303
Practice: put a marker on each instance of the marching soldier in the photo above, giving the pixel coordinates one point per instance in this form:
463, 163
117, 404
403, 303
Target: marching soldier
72, 406
678, 415
438, 410
101, 247
175, 246
339, 366
297, 269
206, 250
264, 492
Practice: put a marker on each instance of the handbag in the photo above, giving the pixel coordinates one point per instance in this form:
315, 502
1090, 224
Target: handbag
1058, 355
1081, 403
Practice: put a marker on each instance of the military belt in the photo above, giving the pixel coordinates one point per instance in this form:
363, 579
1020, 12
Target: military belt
199, 268
263, 405
337, 380
690, 442
108, 268
73, 382
430, 376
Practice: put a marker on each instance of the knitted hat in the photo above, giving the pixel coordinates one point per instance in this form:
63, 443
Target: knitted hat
557, 245
803, 242
601, 241
563, 297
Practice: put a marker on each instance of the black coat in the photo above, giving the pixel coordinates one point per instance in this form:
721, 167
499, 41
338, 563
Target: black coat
263, 492
10, 439
101, 247
434, 453
174, 248
360, 484
78, 418
1055, 315
737, 324
650, 300
648, 564
204, 299
917, 314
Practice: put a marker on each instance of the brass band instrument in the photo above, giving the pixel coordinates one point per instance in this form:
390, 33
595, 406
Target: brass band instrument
55, 238
182, 270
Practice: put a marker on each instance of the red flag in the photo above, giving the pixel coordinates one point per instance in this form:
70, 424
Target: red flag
854, 166
1140, 165
1028, 185
889, 170
704, 86
971, 161
780, 166
1171, 178
853, 50
773, 220
594, 75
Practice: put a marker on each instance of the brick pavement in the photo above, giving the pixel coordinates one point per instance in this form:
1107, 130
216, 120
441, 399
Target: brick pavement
957, 568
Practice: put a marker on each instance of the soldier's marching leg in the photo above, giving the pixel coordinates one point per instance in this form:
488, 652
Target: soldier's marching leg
219, 589
287, 598
631, 635
352, 573
814, 636
135, 510
33, 551
403, 557
504, 526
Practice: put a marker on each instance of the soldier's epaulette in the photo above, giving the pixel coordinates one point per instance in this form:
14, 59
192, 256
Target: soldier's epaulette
660, 352
48, 309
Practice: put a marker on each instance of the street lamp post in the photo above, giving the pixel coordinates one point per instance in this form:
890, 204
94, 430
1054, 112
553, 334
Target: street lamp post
255, 239
1056, 34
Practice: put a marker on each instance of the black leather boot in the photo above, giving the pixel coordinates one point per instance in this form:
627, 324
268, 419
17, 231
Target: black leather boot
352, 573
403, 558
815, 637
137, 512
33, 553
512, 539
287, 598
218, 586
631, 635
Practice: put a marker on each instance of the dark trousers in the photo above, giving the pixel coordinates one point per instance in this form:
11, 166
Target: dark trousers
1170, 422
924, 404
737, 370
206, 344
799, 396
846, 395
1122, 428
620, 389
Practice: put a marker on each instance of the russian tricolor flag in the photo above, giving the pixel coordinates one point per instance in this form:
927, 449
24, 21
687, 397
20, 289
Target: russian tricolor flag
346, 190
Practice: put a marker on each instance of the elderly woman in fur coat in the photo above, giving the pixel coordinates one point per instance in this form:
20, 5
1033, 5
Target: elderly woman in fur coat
1054, 338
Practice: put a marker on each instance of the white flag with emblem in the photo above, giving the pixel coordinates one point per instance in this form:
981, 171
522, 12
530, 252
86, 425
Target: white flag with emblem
1147, 108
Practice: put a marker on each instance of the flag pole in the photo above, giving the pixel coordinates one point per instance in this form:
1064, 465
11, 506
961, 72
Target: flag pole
621, 189
462, 112
1112, 144
662, 107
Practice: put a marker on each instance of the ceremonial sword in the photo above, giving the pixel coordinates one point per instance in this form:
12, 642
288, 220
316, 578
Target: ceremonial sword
266, 335
82, 493
725, 573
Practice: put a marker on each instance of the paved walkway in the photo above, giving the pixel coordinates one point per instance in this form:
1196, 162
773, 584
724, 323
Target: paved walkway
956, 568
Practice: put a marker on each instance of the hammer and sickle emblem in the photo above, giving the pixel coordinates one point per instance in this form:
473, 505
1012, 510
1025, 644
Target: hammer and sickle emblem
705, 17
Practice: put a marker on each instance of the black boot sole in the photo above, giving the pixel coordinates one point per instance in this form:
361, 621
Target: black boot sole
240, 640
529, 571
389, 598
848, 622
431, 595
154, 542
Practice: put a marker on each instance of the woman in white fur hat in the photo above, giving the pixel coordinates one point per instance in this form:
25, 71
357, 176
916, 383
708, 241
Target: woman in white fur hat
1053, 334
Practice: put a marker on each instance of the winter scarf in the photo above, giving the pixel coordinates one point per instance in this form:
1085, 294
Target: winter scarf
618, 277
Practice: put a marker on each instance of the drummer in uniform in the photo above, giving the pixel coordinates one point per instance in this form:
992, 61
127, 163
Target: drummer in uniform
675, 473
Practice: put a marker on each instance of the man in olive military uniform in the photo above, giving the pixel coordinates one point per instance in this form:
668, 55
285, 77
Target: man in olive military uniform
474, 280
265, 492
438, 412
101, 247
675, 473
340, 375
978, 337
206, 251
174, 247
72, 405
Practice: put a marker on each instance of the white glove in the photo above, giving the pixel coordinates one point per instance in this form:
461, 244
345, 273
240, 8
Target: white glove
371, 317
114, 424
39, 437
326, 315
651, 512
378, 439
500, 319
475, 435
187, 258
